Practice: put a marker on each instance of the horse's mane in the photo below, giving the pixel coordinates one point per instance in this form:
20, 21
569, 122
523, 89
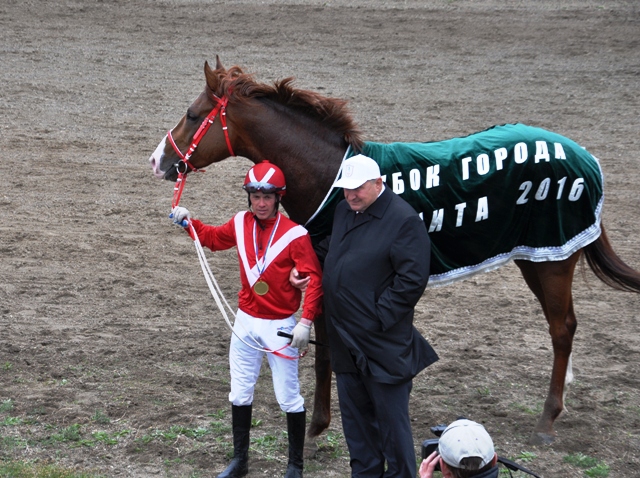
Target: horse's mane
239, 86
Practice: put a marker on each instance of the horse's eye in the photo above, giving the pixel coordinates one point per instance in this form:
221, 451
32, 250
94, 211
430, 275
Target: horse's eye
191, 116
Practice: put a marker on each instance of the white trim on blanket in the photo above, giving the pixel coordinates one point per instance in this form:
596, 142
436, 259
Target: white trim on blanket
533, 254
346, 153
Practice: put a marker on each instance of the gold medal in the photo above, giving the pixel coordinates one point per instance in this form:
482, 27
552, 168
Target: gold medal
261, 287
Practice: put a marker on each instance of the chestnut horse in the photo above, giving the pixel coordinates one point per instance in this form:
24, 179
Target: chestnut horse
306, 135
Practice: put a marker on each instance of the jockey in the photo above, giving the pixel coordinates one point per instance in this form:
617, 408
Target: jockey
269, 245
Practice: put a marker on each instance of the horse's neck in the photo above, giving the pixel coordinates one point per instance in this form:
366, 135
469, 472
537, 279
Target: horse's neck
308, 155
308, 183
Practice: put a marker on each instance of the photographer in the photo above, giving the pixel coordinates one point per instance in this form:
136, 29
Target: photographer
465, 450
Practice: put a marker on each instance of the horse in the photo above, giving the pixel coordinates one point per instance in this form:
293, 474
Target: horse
308, 135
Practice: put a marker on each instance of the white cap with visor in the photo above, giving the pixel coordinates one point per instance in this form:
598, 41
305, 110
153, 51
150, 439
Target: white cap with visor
356, 171
465, 439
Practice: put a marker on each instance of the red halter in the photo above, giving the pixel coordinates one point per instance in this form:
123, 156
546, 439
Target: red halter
220, 107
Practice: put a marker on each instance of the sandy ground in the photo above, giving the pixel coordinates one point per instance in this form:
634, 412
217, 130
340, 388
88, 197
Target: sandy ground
112, 355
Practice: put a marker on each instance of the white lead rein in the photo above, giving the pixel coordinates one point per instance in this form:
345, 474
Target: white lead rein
216, 292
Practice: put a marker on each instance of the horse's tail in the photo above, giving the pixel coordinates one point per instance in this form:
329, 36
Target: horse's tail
608, 267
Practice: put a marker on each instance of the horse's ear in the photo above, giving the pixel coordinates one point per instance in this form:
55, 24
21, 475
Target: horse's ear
219, 63
211, 77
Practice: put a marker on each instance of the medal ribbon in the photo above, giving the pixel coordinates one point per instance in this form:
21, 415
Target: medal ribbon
260, 263
279, 245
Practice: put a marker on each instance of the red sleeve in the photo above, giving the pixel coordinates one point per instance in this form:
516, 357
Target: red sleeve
216, 238
307, 264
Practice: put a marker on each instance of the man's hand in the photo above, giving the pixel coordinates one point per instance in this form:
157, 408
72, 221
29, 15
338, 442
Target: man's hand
297, 280
428, 465
180, 216
301, 334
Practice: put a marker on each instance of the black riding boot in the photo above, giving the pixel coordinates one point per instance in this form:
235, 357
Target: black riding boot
241, 423
296, 423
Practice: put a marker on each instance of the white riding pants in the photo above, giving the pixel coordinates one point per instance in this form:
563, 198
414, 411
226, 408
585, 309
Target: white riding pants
245, 361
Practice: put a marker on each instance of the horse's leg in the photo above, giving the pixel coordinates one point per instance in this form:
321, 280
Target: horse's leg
551, 284
322, 396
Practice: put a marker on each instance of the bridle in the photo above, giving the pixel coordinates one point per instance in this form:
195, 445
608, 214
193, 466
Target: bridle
184, 165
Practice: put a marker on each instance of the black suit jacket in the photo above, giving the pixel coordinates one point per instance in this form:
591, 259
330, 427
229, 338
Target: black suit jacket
376, 267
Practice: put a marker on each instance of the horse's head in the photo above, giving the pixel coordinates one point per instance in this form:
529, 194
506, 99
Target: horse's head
302, 132
201, 137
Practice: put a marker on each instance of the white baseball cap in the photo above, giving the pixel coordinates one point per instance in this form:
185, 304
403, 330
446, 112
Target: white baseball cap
464, 439
356, 171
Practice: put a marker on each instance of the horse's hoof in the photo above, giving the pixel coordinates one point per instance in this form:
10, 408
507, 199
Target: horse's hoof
539, 438
310, 448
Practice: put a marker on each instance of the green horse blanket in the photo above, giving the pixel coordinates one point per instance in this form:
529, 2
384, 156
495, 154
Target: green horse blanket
509, 192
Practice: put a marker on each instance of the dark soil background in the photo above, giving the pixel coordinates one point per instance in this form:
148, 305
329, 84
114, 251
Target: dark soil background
113, 358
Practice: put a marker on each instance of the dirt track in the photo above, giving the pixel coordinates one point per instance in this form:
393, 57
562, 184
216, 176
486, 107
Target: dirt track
105, 320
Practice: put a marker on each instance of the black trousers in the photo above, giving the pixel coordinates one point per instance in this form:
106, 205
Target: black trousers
377, 428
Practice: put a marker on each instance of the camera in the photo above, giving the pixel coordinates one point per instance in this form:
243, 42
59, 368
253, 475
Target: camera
431, 445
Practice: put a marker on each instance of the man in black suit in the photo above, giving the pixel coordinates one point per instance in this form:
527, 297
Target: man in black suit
376, 267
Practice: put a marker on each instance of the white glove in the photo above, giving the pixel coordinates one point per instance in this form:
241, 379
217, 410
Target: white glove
301, 334
180, 216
